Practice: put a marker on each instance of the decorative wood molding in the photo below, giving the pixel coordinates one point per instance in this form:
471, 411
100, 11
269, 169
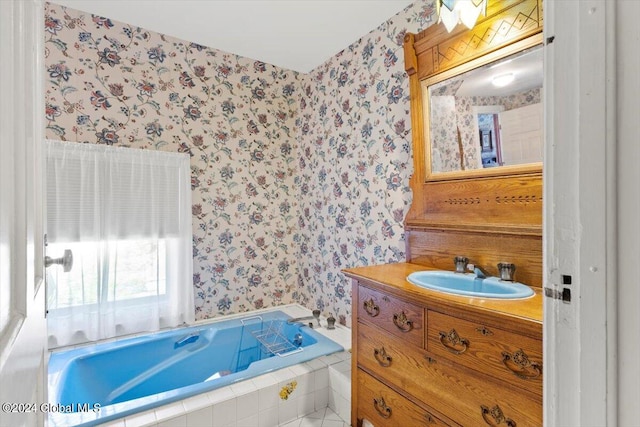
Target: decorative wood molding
504, 200
490, 204
507, 21
410, 58
489, 219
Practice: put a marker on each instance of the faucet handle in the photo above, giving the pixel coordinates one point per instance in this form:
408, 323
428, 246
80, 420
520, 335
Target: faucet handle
461, 263
507, 271
331, 322
316, 314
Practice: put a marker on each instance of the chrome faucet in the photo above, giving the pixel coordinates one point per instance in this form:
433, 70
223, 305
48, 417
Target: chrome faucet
476, 270
301, 320
316, 315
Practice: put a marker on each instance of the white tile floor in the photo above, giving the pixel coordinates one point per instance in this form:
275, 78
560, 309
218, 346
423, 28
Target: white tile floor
322, 418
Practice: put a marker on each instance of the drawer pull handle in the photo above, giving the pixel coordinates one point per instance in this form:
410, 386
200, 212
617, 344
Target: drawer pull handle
497, 415
381, 407
521, 366
382, 357
402, 323
484, 331
452, 340
371, 308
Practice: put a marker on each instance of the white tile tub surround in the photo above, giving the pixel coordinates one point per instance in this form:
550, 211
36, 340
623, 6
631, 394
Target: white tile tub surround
340, 388
256, 402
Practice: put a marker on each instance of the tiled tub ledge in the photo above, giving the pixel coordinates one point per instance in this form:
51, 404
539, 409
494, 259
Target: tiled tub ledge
270, 400
340, 389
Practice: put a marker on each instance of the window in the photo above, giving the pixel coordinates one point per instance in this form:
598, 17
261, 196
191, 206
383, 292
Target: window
137, 270
126, 216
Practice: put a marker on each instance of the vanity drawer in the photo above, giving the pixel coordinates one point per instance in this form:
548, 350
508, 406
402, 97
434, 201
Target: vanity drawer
513, 358
458, 394
384, 407
396, 316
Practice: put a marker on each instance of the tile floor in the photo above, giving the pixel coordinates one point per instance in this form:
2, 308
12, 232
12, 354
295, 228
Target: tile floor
322, 418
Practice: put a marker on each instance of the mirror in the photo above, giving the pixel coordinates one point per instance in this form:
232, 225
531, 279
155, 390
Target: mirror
485, 117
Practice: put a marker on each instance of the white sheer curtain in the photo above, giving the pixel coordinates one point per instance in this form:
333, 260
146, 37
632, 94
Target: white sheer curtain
126, 214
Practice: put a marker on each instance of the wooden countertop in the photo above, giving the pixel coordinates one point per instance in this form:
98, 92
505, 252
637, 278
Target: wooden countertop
392, 279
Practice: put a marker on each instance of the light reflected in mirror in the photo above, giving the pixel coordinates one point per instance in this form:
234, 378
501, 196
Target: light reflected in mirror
488, 117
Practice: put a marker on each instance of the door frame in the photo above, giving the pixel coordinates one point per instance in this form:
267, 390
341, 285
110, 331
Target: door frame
580, 214
23, 354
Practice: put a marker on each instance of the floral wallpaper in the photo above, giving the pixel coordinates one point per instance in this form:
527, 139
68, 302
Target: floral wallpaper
294, 176
355, 161
445, 149
111, 83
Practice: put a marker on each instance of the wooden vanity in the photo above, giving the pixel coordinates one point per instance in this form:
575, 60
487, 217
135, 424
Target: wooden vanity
423, 357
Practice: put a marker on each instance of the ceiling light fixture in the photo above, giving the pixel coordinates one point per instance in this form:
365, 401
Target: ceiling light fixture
502, 79
452, 12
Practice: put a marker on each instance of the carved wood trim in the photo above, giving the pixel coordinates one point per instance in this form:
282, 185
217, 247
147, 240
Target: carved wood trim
507, 22
410, 58
488, 219
492, 205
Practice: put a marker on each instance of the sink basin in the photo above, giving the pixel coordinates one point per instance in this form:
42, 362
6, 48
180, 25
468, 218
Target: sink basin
467, 284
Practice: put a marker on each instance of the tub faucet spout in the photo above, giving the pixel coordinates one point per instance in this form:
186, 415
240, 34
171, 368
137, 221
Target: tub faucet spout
316, 315
299, 319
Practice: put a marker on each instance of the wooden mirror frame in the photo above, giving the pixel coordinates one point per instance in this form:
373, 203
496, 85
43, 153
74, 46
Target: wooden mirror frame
495, 56
490, 219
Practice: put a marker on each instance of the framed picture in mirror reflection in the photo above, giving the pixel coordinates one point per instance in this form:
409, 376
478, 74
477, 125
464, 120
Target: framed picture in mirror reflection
486, 141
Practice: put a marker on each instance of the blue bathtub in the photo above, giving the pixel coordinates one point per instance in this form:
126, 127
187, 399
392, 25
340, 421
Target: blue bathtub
94, 384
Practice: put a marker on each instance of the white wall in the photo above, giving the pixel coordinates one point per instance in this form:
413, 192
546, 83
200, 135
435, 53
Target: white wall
628, 138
